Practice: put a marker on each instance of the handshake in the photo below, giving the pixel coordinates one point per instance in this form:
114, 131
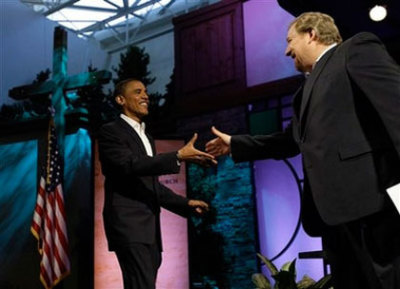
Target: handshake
216, 147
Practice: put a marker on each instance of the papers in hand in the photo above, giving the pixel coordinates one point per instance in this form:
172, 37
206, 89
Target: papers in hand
394, 194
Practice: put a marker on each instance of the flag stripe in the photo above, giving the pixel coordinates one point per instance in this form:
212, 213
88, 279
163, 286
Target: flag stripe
49, 219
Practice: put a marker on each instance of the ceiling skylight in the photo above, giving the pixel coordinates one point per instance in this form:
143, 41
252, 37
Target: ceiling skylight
119, 19
99, 4
73, 14
83, 14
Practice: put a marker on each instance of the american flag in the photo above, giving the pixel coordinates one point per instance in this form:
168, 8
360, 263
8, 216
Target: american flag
49, 222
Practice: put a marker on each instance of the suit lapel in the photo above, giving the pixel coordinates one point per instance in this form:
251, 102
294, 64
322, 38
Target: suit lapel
130, 131
308, 87
297, 97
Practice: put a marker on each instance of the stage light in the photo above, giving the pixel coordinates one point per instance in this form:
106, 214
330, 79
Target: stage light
378, 13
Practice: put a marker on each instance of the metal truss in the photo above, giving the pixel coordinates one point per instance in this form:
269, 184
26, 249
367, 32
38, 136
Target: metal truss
122, 22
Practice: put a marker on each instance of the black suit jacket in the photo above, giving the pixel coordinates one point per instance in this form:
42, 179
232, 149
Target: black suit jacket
347, 126
133, 194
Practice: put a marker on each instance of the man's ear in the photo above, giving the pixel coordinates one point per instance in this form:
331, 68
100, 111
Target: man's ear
313, 34
120, 99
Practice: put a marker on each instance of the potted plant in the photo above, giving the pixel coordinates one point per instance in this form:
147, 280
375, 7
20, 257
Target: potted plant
285, 278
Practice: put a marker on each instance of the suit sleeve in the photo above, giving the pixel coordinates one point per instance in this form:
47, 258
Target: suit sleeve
118, 157
378, 77
173, 202
278, 146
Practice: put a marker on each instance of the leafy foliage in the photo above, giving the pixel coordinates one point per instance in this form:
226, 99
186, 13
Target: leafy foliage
99, 105
30, 108
285, 278
90, 100
133, 64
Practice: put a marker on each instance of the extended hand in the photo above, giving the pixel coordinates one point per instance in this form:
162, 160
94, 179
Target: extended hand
199, 207
191, 154
221, 145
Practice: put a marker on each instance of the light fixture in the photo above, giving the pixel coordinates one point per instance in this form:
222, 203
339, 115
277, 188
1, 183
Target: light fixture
378, 13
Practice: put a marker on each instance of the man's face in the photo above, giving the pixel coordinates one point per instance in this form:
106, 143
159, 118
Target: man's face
134, 100
298, 47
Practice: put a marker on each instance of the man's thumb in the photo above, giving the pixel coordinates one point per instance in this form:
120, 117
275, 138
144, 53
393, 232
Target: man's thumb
216, 132
193, 139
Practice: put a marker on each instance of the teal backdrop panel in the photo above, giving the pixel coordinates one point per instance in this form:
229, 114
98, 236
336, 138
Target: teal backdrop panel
264, 122
18, 173
19, 257
223, 245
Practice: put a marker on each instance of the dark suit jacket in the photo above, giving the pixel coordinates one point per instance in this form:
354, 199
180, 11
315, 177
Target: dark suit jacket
347, 126
133, 194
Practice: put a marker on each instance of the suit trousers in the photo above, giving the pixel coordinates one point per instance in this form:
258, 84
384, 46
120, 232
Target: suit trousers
365, 254
139, 265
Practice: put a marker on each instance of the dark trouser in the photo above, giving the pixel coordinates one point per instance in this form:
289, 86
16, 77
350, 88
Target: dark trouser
365, 254
139, 264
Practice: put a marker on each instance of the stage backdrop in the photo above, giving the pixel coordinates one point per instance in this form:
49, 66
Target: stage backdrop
19, 256
278, 186
174, 271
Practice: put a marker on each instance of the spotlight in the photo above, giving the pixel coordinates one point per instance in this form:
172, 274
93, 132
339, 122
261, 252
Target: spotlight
378, 13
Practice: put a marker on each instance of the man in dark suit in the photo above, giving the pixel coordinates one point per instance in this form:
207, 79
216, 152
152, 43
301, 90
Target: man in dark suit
133, 194
346, 125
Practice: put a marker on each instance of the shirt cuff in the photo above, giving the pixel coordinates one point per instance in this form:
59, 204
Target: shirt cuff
178, 162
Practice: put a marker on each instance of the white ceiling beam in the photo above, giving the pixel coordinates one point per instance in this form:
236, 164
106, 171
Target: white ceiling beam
112, 3
59, 7
100, 9
122, 12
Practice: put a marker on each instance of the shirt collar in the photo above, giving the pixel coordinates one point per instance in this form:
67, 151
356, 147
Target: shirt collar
139, 127
324, 52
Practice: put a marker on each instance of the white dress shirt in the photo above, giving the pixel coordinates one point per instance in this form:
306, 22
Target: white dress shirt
307, 73
323, 53
140, 130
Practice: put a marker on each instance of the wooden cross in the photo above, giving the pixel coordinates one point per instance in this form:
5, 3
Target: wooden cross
60, 83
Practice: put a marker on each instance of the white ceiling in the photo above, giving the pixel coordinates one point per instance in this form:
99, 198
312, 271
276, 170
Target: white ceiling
116, 23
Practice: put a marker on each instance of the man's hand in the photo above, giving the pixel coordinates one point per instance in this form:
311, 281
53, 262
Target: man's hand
219, 146
199, 207
190, 154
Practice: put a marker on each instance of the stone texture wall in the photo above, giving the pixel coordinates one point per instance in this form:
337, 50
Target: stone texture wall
223, 245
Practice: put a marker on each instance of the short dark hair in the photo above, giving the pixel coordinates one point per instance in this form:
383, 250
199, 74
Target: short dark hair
120, 86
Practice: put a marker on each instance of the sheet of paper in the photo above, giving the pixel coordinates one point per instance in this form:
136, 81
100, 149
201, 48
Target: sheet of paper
394, 194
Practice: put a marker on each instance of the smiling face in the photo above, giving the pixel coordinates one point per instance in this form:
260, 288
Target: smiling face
134, 100
299, 47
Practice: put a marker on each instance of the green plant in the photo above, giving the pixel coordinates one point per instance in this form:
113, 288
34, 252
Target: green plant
133, 64
35, 107
285, 278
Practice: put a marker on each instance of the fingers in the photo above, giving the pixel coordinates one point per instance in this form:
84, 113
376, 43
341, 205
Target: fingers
205, 155
201, 211
212, 151
212, 147
216, 132
198, 203
203, 205
205, 162
199, 207
226, 138
217, 147
193, 139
